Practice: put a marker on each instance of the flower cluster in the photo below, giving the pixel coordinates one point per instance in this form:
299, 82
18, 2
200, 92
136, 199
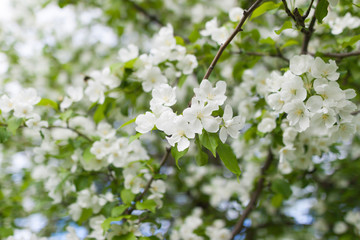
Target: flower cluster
181, 128
316, 108
165, 50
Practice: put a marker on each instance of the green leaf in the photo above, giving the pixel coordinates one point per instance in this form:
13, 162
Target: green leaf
201, 158
49, 103
209, 141
129, 236
148, 204
117, 211
177, 155
228, 157
127, 196
264, 8
66, 115
182, 80
348, 41
288, 43
107, 223
130, 64
276, 200
4, 135
286, 25
87, 155
99, 113
179, 41
85, 215
134, 137
127, 123
321, 10
194, 35
282, 187
13, 124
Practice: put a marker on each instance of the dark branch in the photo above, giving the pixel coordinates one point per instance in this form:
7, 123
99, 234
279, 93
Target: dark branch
307, 35
254, 197
339, 55
288, 11
264, 54
308, 10
148, 185
151, 17
238, 29
74, 130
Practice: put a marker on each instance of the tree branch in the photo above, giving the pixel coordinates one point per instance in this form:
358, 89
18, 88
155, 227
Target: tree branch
339, 55
238, 29
151, 17
307, 35
288, 11
148, 185
254, 197
264, 54
308, 11
72, 129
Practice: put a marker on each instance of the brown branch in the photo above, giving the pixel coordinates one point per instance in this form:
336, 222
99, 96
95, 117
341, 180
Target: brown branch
339, 55
264, 54
355, 113
288, 11
254, 197
308, 11
238, 29
148, 185
307, 35
151, 17
72, 129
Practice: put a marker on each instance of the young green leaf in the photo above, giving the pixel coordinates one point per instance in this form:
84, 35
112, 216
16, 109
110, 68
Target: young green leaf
148, 204
13, 124
321, 10
127, 196
210, 141
177, 155
228, 157
282, 187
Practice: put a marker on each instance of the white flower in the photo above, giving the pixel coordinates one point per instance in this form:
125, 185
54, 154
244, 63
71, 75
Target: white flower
199, 116
105, 130
220, 35
23, 110
163, 95
314, 104
300, 64
180, 133
298, 115
145, 122
158, 186
95, 91
151, 78
187, 64
6, 104
207, 94
98, 149
210, 26
320, 69
267, 125
232, 125
236, 14
293, 89
35, 122
128, 53
340, 227
275, 102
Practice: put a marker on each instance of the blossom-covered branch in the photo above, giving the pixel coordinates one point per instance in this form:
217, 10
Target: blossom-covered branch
238, 29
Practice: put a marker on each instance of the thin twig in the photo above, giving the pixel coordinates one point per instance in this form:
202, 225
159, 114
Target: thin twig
238, 29
308, 10
288, 11
254, 197
151, 17
72, 129
264, 54
339, 55
355, 113
148, 185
